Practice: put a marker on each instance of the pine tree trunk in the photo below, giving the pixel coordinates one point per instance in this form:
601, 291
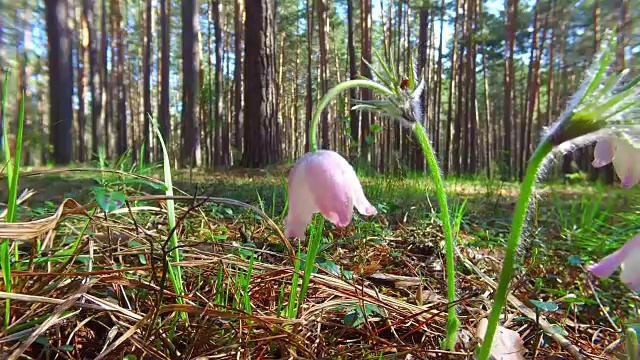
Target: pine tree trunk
60, 80
104, 81
436, 139
80, 83
146, 87
121, 124
294, 137
261, 100
309, 95
366, 94
354, 116
237, 74
509, 77
217, 80
164, 115
94, 78
324, 72
452, 91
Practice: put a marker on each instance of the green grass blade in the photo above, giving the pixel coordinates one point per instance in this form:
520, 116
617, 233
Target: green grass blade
14, 170
5, 256
175, 272
314, 245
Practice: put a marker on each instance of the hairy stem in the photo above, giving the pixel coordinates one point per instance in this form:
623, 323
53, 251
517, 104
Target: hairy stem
526, 190
432, 161
335, 91
453, 322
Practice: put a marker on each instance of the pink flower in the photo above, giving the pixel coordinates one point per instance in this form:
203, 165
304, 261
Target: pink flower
627, 258
624, 155
323, 181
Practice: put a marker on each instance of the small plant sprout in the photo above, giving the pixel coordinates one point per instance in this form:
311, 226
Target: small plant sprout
401, 101
323, 181
603, 107
627, 258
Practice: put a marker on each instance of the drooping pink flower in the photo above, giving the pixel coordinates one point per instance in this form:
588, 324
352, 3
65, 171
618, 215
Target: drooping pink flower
624, 155
627, 258
323, 181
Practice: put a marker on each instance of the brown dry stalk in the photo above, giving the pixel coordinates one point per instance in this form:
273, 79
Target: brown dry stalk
69, 302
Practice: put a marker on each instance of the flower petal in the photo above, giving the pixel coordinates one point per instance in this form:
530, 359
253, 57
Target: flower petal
357, 193
328, 176
611, 262
360, 200
627, 162
302, 204
323, 181
603, 152
630, 273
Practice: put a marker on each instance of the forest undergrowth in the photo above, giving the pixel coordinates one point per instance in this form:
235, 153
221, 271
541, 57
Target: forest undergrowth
92, 279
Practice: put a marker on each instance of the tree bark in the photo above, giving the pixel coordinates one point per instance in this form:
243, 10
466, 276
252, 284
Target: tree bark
81, 54
354, 116
190, 87
164, 115
94, 78
324, 72
237, 74
309, 95
104, 81
508, 87
452, 90
60, 80
367, 94
261, 100
122, 137
146, 87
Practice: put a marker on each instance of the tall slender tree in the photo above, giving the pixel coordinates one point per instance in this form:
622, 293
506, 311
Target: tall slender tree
146, 86
95, 88
121, 90
104, 76
353, 115
261, 145
309, 95
81, 55
323, 26
237, 73
165, 119
509, 77
365, 127
60, 80
190, 87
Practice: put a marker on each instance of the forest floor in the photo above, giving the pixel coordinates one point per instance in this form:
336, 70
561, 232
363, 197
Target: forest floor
94, 285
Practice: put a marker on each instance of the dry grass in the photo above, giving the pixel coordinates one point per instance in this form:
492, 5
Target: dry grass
110, 295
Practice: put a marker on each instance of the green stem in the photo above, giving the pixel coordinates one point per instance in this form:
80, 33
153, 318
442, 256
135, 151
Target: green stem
453, 323
432, 161
335, 91
526, 190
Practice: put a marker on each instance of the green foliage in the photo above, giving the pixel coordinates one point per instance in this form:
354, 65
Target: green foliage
13, 171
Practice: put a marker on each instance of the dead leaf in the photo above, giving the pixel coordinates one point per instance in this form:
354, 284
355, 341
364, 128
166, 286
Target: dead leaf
507, 344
